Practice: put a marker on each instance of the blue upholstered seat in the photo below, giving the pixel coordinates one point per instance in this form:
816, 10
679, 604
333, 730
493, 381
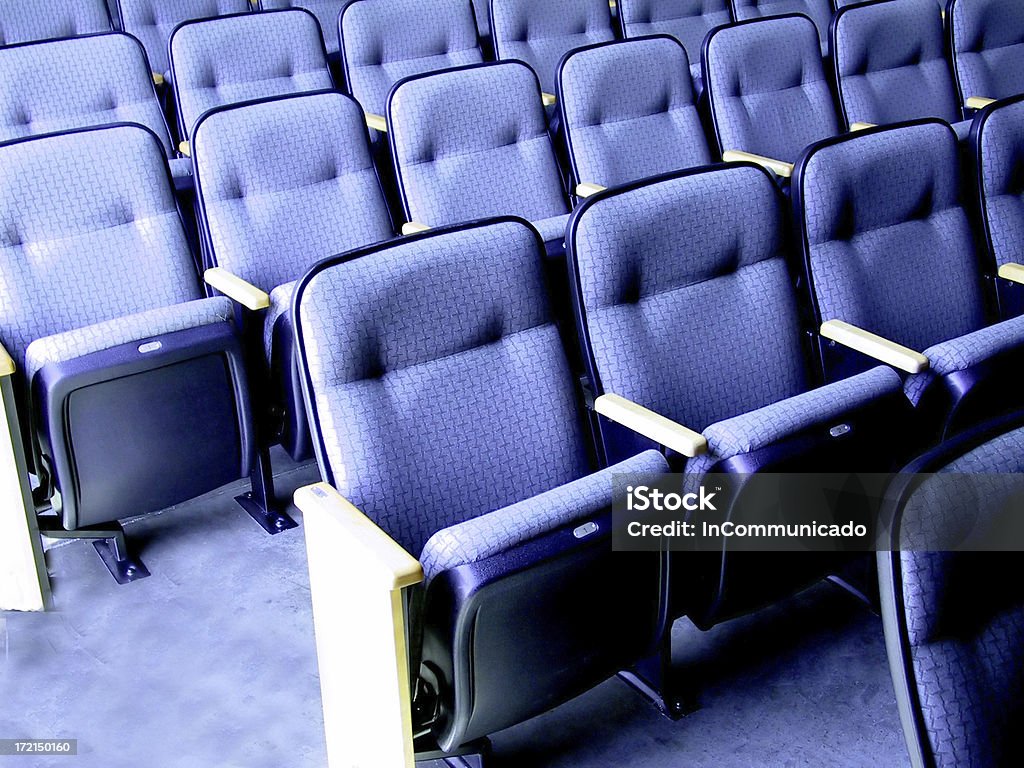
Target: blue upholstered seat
472, 142
268, 216
25, 21
818, 11
326, 12
889, 248
444, 408
891, 64
987, 41
629, 111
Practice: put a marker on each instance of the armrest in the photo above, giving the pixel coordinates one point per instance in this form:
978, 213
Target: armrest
872, 345
185, 148
7, 366
548, 99
861, 127
1013, 272
237, 289
378, 556
413, 227
778, 167
158, 79
651, 425
377, 122
979, 102
586, 189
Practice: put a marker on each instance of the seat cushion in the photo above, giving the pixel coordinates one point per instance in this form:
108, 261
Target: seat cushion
552, 229
483, 536
280, 303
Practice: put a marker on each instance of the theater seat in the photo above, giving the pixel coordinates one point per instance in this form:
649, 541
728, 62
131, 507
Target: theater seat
243, 57
894, 274
628, 112
987, 43
818, 11
267, 217
687, 21
26, 21
997, 139
444, 411
326, 12
80, 82
700, 326
132, 387
953, 615
472, 142
767, 91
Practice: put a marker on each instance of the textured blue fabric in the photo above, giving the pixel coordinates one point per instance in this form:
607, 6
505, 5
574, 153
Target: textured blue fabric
152, 22
572, 503
482, 14
964, 616
441, 388
896, 258
75, 210
78, 83
891, 62
540, 32
22, 21
689, 307
988, 47
473, 143
1000, 157
272, 214
238, 58
387, 40
326, 12
818, 11
759, 429
767, 88
630, 112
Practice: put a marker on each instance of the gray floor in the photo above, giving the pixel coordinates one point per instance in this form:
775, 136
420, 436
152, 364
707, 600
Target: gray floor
211, 662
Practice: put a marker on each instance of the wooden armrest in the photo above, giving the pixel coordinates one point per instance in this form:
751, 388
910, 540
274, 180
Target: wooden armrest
862, 127
979, 102
873, 345
1013, 272
413, 227
377, 122
651, 425
548, 99
380, 558
237, 289
778, 167
586, 189
185, 148
158, 79
7, 366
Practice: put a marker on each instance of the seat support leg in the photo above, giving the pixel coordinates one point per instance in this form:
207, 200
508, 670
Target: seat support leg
260, 502
656, 680
110, 544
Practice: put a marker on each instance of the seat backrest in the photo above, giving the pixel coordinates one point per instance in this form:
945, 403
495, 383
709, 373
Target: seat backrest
954, 620
24, 21
766, 87
101, 239
152, 21
473, 142
540, 32
326, 12
700, 323
688, 21
482, 13
272, 206
61, 85
999, 156
249, 56
438, 385
891, 65
384, 41
629, 111
818, 11
987, 41
888, 243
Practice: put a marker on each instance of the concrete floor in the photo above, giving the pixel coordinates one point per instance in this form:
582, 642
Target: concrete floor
211, 663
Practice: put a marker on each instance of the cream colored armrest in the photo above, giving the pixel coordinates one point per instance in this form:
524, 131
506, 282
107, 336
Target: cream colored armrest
548, 99
384, 562
185, 148
413, 227
1013, 272
7, 366
979, 102
651, 425
586, 189
237, 289
862, 127
778, 167
158, 79
377, 122
872, 345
